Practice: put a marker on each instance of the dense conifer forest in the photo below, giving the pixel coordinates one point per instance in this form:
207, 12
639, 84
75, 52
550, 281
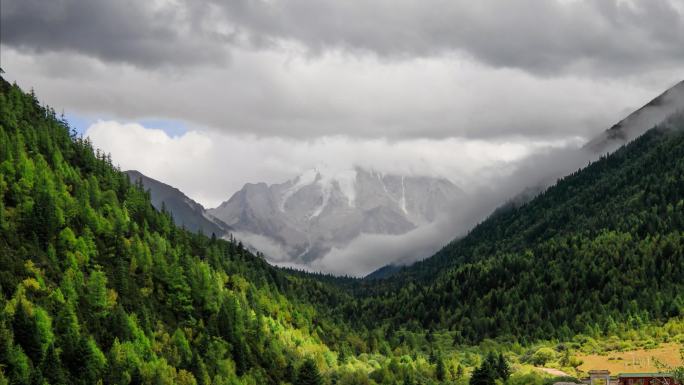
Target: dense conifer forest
100, 288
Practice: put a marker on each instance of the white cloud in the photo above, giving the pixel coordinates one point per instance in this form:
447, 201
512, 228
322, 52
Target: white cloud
209, 166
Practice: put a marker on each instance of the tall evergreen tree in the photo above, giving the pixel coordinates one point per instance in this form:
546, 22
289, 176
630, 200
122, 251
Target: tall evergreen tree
440, 370
52, 367
482, 375
26, 333
308, 374
503, 370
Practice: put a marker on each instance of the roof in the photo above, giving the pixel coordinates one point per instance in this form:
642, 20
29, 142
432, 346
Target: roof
653, 374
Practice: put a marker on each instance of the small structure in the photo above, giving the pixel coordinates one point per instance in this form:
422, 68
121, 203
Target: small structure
599, 377
646, 379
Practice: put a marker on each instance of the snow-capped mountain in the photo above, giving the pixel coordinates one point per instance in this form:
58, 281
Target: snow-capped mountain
314, 212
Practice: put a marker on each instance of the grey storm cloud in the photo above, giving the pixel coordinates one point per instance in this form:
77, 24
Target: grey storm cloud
126, 31
538, 36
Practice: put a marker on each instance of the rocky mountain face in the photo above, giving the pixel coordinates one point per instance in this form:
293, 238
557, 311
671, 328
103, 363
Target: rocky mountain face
186, 212
315, 212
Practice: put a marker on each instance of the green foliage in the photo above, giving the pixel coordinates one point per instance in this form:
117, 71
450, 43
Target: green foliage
542, 356
26, 332
527, 379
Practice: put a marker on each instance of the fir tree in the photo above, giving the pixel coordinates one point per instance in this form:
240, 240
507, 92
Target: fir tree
25, 332
503, 371
308, 374
52, 367
440, 370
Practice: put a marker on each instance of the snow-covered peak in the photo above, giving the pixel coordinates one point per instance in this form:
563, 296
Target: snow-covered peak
306, 179
326, 182
324, 208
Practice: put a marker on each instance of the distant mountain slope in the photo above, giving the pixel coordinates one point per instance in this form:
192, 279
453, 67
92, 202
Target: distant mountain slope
603, 245
667, 106
628, 129
314, 212
621, 133
383, 272
186, 212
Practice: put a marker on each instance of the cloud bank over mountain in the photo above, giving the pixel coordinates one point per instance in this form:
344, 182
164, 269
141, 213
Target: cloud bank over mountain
470, 91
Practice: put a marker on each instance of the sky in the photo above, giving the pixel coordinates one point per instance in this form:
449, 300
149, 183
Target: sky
209, 95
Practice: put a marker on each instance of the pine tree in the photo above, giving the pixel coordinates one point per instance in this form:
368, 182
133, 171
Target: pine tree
433, 357
289, 374
440, 371
25, 333
487, 373
342, 355
97, 292
482, 376
503, 371
308, 374
240, 357
52, 367
459, 372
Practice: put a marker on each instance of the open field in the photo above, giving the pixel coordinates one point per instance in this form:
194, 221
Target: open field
633, 361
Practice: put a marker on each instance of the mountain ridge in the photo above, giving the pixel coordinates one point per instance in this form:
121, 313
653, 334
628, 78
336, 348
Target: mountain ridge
186, 212
636, 123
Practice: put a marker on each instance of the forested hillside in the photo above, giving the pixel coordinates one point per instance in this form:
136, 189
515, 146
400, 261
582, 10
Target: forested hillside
99, 287
605, 245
